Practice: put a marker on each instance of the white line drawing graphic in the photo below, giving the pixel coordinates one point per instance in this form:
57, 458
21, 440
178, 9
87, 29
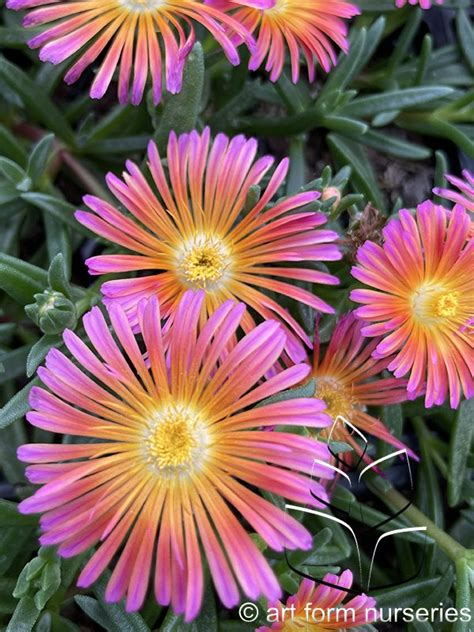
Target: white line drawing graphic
397, 453
385, 535
329, 517
332, 467
346, 422
385, 458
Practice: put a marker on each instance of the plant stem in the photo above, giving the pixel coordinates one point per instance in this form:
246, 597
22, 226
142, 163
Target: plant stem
463, 592
393, 499
86, 178
91, 297
439, 462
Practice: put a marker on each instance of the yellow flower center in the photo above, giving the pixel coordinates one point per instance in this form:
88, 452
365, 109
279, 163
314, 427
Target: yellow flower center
432, 304
176, 441
447, 305
140, 6
338, 397
203, 263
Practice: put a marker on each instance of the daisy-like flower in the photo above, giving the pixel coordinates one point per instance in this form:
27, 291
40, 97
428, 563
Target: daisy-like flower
190, 231
319, 607
424, 4
173, 448
309, 27
465, 193
421, 300
139, 36
346, 379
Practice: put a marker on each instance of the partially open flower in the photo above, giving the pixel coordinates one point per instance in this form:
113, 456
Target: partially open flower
309, 27
330, 193
318, 607
140, 37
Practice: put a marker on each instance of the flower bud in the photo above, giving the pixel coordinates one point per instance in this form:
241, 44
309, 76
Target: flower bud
331, 192
52, 312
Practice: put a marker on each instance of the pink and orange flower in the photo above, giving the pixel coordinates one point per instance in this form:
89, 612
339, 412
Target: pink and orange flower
421, 300
348, 380
309, 27
171, 453
319, 607
131, 35
191, 230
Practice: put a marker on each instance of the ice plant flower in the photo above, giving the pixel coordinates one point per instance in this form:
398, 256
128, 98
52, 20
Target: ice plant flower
173, 450
319, 607
138, 36
424, 4
465, 193
348, 380
308, 27
420, 300
189, 230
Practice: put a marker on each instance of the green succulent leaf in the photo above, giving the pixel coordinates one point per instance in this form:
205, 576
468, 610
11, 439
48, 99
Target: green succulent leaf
350, 153
207, 619
393, 146
14, 174
180, 111
38, 105
111, 616
39, 158
94, 610
58, 277
402, 99
20, 279
11, 517
40, 350
459, 448
17, 406
25, 616
466, 36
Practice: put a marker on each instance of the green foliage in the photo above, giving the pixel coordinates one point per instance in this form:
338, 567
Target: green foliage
20, 279
180, 112
460, 447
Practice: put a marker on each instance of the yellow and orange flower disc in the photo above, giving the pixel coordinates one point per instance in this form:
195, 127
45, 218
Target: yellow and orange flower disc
129, 34
348, 380
189, 228
169, 449
310, 28
421, 300
316, 608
